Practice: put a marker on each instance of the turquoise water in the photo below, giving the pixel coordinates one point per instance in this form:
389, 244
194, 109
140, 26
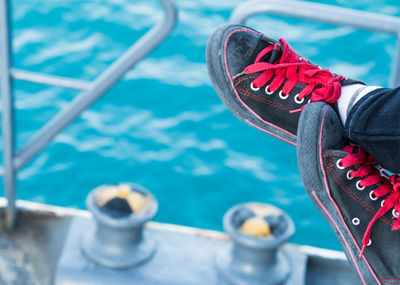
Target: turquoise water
163, 126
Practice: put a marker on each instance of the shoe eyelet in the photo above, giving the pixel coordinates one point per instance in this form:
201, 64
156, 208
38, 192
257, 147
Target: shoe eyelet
338, 164
253, 87
349, 177
372, 196
297, 100
355, 221
382, 203
395, 214
267, 91
383, 173
283, 96
359, 187
369, 242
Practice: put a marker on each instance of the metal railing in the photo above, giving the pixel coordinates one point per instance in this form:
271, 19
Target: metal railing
325, 14
14, 160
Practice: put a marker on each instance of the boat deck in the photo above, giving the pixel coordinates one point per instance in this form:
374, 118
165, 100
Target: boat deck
45, 249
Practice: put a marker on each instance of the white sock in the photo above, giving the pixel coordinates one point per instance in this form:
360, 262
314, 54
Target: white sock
349, 97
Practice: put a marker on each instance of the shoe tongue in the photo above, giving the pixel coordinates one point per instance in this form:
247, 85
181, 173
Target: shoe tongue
272, 56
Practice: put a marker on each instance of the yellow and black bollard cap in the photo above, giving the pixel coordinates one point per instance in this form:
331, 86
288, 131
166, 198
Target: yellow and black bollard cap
120, 211
255, 255
121, 200
259, 220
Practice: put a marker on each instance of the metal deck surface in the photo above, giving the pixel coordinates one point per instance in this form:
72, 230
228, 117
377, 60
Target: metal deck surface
45, 249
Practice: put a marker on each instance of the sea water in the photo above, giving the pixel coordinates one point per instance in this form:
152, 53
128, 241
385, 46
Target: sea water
163, 126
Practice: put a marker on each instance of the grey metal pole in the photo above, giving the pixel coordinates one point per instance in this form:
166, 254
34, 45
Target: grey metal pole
317, 12
101, 85
395, 75
50, 79
7, 114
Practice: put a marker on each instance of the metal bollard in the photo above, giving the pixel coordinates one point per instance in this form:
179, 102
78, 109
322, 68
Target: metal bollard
254, 258
120, 212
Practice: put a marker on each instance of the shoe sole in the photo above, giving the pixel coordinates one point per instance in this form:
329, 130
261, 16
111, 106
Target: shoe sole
223, 84
309, 155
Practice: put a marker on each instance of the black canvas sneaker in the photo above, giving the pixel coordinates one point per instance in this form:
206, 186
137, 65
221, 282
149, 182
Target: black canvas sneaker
359, 202
264, 82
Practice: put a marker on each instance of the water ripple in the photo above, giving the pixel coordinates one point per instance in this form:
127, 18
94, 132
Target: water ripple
163, 126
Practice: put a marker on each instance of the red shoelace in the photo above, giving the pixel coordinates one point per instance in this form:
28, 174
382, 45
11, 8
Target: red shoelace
389, 185
321, 84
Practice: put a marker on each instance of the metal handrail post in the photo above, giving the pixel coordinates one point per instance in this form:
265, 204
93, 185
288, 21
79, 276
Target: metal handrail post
395, 74
101, 85
37, 77
326, 14
91, 92
7, 113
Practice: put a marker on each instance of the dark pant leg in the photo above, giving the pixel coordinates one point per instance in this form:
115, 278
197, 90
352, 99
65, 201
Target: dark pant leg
374, 123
